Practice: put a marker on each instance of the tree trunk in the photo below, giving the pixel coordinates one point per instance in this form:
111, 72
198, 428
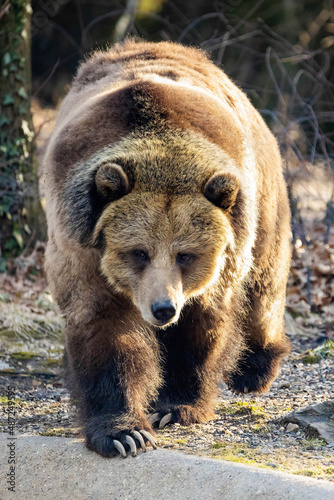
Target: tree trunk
22, 218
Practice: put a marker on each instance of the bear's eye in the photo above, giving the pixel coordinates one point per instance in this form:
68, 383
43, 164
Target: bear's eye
184, 258
141, 255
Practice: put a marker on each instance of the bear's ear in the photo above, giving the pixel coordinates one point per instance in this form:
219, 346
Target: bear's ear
111, 182
222, 190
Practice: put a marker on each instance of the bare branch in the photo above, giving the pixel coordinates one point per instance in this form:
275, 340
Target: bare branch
125, 23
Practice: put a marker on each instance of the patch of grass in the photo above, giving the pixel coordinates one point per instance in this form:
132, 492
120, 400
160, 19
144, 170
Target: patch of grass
326, 350
260, 429
53, 363
232, 453
226, 409
20, 322
241, 408
218, 446
242, 453
322, 352
4, 401
23, 356
316, 471
59, 431
305, 472
251, 408
310, 359
182, 441
46, 302
50, 409
309, 441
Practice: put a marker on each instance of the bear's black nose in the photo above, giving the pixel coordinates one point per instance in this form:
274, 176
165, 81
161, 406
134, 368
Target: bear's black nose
163, 311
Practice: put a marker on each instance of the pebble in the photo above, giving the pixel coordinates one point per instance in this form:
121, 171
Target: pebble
292, 427
284, 385
265, 450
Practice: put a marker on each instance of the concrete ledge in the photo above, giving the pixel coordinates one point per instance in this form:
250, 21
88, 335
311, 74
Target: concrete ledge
58, 468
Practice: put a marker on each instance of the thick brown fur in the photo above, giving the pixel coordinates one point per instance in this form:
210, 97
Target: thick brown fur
164, 185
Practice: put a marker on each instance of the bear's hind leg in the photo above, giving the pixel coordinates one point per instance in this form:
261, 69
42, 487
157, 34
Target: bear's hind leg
262, 317
266, 341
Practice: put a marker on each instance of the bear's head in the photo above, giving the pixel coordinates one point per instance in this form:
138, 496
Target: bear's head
165, 227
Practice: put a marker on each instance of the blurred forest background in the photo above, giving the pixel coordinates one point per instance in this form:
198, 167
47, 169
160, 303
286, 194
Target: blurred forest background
281, 53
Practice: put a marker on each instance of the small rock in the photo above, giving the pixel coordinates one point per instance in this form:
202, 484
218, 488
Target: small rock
292, 428
285, 385
265, 450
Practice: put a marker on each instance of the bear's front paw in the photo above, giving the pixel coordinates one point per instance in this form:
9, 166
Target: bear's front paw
182, 414
257, 370
113, 442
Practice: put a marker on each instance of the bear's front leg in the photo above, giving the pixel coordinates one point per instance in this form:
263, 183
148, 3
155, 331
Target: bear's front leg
112, 377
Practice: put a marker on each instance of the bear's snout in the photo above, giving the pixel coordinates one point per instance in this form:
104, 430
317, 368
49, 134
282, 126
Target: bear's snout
163, 311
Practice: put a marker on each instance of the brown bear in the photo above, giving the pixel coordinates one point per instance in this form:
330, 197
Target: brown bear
168, 249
